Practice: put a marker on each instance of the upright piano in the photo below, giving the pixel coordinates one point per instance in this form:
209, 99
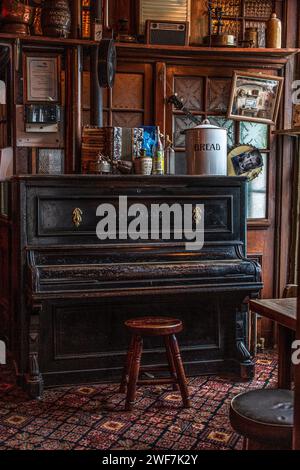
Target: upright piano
65, 294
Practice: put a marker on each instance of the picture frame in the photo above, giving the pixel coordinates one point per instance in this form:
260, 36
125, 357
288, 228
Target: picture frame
255, 97
42, 78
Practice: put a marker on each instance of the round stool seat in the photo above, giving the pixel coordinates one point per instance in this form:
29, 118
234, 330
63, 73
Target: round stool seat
154, 326
264, 416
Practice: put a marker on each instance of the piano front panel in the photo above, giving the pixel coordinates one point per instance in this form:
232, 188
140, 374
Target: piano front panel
88, 340
51, 213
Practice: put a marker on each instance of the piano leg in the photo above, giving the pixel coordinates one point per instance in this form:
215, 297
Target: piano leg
34, 379
247, 366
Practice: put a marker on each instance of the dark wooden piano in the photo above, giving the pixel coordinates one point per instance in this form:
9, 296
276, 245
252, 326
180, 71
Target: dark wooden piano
65, 294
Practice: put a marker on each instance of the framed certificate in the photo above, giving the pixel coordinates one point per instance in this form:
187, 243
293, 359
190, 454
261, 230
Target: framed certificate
41, 78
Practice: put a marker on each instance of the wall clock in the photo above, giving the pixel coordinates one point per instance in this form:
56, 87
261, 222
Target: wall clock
107, 63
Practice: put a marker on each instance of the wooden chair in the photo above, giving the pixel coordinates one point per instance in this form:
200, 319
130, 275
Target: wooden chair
153, 326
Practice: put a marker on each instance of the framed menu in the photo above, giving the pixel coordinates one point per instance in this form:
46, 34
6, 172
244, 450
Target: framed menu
41, 78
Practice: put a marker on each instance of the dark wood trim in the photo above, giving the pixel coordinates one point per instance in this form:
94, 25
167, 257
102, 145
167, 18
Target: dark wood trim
160, 95
285, 158
237, 57
43, 40
258, 224
297, 377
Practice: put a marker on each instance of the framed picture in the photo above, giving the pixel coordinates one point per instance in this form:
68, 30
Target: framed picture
255, 97
41, 78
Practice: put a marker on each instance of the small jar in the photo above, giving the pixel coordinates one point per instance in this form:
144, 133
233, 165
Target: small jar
143, 166
251, 37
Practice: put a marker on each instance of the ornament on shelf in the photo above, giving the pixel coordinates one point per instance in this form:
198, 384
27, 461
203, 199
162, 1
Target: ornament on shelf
274, 32
15, 17
36, 27
123, 32
56, 18
217, 35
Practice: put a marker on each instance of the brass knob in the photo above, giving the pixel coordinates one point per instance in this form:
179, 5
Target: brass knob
77, 217
197, 215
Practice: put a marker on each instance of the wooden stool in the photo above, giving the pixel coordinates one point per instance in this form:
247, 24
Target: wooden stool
167, 328
264, 418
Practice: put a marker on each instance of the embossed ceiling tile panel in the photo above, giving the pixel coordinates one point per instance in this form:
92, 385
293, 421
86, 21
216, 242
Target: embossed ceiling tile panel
50, 161
190, 90
218, 94
226, 124
230, 8
229, 27
127, 119
259, 8
180, 124
128, 91
253, 133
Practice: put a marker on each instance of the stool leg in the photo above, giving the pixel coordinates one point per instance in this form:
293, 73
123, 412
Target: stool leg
182, 382
171, 362
126, 369
134, 373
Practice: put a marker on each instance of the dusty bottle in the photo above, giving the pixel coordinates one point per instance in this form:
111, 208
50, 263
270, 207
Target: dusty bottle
274, 32
169, 157
158, 157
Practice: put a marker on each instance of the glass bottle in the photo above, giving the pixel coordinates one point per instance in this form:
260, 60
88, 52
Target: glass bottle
274, 32
158, 156
169, 157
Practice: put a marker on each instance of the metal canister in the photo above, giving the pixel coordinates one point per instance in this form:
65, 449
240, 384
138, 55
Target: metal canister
206, 147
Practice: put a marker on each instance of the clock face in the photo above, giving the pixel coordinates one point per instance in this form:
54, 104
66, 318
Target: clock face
112, 65
107, 63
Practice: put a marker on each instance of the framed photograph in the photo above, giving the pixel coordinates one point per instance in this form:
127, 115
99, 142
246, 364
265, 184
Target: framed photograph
255, 97
41, 78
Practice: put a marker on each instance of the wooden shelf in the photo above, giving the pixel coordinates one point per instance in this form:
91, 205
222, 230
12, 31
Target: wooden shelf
290, 132
151, 53
44, 41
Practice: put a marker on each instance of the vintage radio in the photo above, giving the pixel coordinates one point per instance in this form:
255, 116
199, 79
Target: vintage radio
163, 11
167, 32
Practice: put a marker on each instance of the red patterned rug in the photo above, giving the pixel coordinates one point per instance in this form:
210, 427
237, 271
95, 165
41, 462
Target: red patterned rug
93, 417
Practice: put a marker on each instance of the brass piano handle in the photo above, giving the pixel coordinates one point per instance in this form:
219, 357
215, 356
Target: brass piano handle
77, 217
197, 215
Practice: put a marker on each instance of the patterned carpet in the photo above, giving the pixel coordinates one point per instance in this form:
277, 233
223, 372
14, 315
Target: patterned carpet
92, 417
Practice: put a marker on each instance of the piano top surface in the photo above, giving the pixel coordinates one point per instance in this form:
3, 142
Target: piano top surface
142, 181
